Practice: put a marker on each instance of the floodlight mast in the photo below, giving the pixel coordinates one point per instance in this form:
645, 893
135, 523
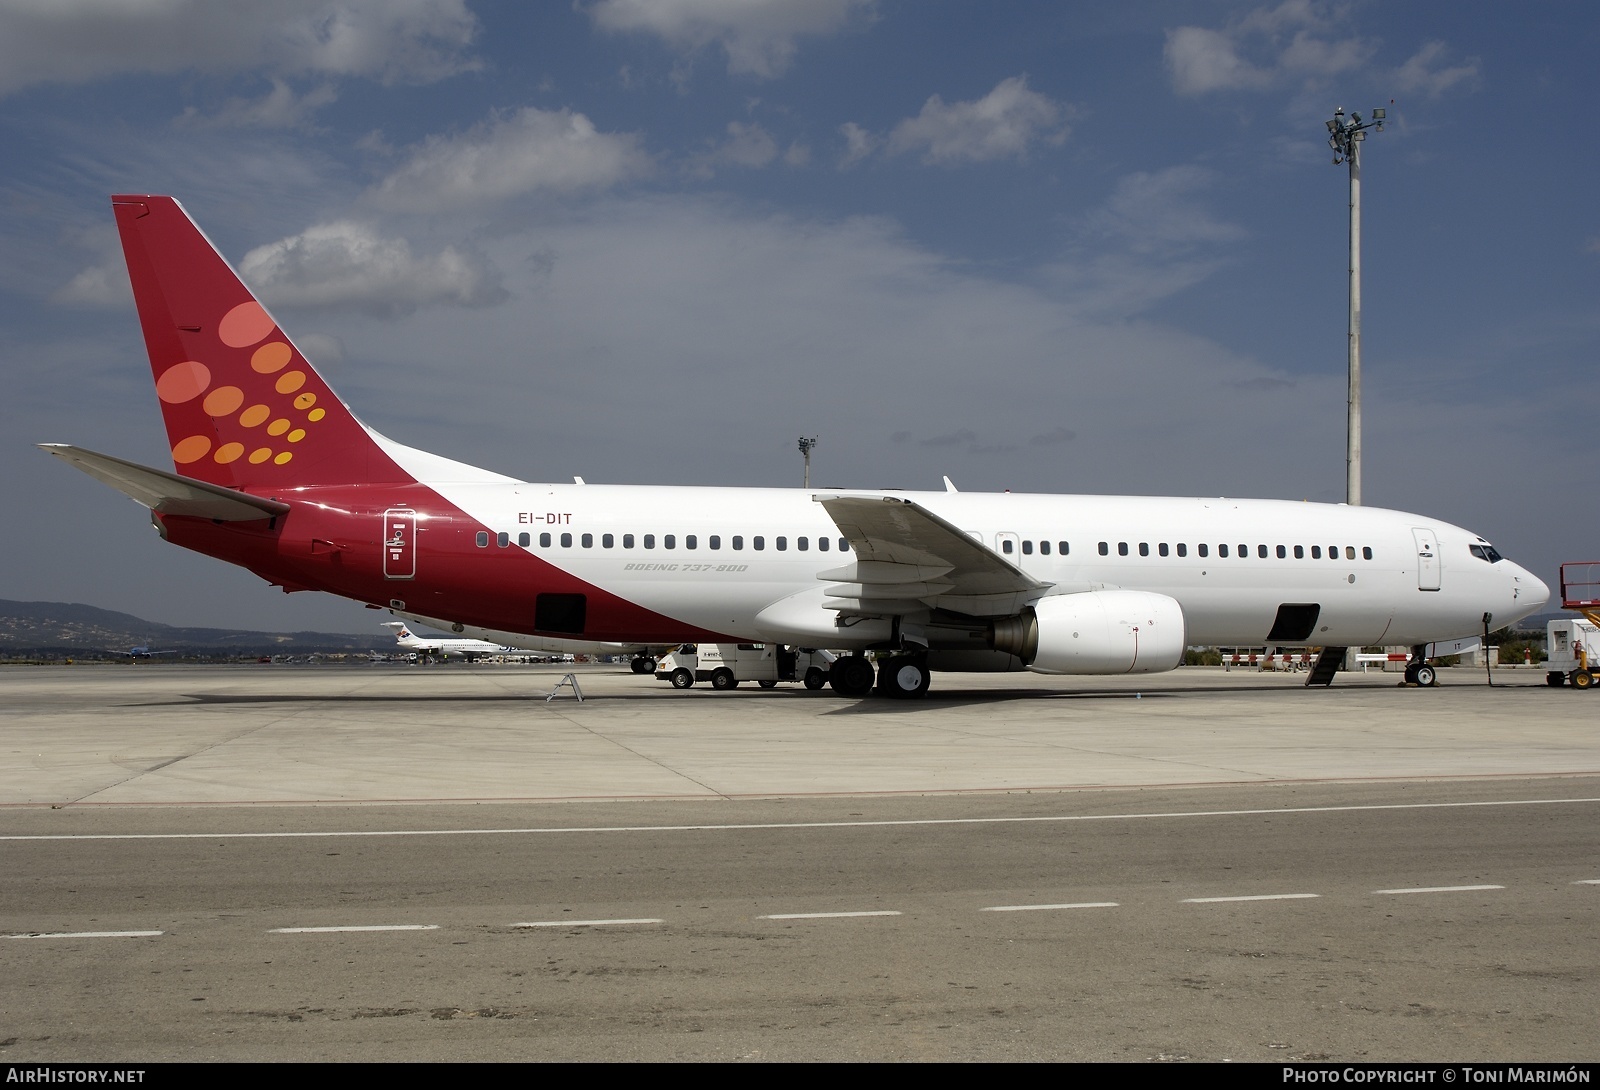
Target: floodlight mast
1345, 135
805, 451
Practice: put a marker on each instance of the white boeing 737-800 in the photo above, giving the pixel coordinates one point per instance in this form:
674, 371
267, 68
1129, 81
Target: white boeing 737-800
276, 474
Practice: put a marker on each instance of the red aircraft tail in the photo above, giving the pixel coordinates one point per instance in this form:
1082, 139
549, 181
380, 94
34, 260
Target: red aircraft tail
243, 407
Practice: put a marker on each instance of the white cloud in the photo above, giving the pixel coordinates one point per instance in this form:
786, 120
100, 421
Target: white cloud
279, 108
348, 265
78, 41
859, 143
747, 145
1001, 124
1294, 40
759, 36
104, 284
1427, 72
531, 150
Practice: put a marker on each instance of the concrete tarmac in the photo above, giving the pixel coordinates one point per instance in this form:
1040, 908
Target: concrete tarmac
399, 863
159, 734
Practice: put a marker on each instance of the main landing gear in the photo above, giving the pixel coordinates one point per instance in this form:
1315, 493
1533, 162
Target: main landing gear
643, 664
902, 676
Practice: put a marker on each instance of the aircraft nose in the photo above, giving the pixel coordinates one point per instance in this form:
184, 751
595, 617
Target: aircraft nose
1531, 591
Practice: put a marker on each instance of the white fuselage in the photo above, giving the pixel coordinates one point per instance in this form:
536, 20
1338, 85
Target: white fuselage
1378, 576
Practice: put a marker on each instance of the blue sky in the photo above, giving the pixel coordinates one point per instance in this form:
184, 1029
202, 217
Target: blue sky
1032, 246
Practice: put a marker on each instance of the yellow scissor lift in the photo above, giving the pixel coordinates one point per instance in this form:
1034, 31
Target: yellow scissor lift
1571, 658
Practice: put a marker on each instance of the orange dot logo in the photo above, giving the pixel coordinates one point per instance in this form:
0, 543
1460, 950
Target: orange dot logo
228, 452
183, 382
305, 400
254, 415
191, 449
316, 414
223, 401
259, 455
296, 435
291, 381
271, 358
282, 459
244, 325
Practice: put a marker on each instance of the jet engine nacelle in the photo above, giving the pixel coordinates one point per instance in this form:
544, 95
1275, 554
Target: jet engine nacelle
1096, 632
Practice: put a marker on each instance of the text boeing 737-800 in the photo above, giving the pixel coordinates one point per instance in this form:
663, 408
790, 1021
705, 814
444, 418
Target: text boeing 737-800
274, 473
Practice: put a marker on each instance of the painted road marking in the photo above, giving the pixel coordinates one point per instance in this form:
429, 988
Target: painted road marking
87, 935
1258, 897
587, 923
1047, 908
354, 927
823, 915
797, 824
1438, 889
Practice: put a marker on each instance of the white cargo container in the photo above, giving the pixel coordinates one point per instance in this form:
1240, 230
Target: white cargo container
727, 664
1574, 645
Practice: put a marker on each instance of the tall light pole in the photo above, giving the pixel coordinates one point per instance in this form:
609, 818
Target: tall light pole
805, 450
1345, 135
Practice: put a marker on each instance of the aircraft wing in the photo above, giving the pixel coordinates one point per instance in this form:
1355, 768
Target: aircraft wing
909, 560
167, 493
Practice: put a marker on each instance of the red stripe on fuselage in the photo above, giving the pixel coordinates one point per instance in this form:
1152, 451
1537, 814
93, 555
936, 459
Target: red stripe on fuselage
332, 540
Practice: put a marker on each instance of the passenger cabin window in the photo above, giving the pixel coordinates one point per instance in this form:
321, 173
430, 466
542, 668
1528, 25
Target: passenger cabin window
1282, 552
800, 543
1061, 547
1144, 548
544, 541
782, 544
1366, 553
587, 540
758, 542
608, 541
738, 541
523, 540
1222, 550
715, 541
502, 539
669, 541
822, 544
1183, 549
1316, 552
483, 539
627, 541
689, 541
566, 541
1044, 548
1122, 548
1349, 552
1105, 550
1299, 552
1005, 546
1202, 549
844, 544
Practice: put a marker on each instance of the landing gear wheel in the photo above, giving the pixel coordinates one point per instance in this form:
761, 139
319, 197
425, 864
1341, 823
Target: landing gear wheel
815, 678
1411, 672
1582, 679
681, 678
767, 684
1426, 676
903, 677
851, 676
642, 666
1555, 679
724, 680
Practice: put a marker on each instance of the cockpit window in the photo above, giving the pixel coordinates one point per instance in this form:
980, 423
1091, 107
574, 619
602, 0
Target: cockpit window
1487, 552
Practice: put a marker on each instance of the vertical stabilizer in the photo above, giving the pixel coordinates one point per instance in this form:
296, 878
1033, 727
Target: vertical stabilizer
242, 406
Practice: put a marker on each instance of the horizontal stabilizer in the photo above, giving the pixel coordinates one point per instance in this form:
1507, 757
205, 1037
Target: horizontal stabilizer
167, 493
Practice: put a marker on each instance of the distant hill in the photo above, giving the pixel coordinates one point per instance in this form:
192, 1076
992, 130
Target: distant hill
44, 628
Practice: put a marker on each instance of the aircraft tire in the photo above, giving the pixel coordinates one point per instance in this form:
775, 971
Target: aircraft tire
1582, 679
903, 677
1426, 676
815, 678
723, 680
851, 676
681, 678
